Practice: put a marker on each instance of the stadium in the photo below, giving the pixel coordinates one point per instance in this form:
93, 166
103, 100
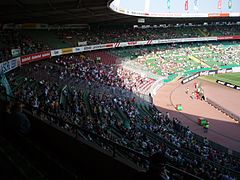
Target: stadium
120, 89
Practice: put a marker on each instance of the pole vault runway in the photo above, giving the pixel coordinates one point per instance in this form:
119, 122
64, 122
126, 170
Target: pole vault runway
222, 130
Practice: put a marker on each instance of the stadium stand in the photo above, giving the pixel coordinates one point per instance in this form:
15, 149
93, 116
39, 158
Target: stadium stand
40, 40
119, 118
68, 116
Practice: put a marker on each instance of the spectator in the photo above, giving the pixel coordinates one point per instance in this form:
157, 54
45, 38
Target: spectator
7, 125
157, 168
22, 122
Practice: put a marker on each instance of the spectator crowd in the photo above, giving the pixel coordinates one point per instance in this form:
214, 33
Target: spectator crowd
84, 98
103, 98
26, 43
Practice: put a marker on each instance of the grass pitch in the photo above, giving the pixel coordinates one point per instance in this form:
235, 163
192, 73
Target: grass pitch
233, 78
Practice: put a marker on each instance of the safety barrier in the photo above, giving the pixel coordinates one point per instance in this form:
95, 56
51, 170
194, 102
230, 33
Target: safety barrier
224, 110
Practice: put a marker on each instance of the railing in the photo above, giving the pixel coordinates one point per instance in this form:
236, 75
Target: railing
140, 160
224, 110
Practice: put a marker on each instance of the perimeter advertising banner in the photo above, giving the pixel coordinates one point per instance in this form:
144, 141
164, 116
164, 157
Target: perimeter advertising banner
221, 71
9, 65
206, 73
77, 49
94, 47
101, 46
227, 84
35, 57
228, 38
212, 72
83, 43
236, 69
56, 52
190, 78
16, 52
67, 50
177, 40
229, 70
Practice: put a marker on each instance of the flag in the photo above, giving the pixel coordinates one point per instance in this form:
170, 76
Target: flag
186, 5
169, 4
63, 97
219, 4
5, 83
229, 4
196, 5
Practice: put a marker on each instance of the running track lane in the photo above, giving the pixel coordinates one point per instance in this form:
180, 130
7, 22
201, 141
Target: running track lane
223, 129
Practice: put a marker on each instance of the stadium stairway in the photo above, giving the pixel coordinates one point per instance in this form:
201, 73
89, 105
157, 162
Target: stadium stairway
86, 101
202, 32
146, 86
106, 58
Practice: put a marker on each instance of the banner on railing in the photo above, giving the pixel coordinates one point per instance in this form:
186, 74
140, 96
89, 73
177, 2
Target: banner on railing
92, 47
230, 85
228, 37
67, 50
179, 40
56, 52
206, 73
236, 69
221, 71
83, 43
9, 65
77, 49
212, 72
16, 52
229, 70
35, 57
190, 78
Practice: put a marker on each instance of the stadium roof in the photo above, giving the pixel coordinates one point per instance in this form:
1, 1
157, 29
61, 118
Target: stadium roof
67, 12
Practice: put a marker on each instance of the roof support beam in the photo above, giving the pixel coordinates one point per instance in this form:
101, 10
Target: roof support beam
51, 6
79, 2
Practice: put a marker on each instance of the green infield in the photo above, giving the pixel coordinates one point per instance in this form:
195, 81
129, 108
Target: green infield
233, 78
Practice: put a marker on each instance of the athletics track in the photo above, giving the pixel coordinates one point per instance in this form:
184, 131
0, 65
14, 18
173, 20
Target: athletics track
222, 130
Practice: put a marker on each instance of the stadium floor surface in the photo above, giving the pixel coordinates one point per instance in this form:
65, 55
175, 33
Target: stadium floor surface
223, 130
233, 78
